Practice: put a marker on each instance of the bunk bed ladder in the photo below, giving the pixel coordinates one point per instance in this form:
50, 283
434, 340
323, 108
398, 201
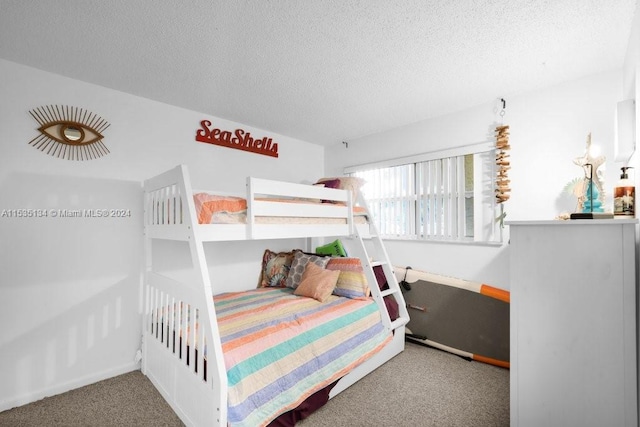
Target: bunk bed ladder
379, 257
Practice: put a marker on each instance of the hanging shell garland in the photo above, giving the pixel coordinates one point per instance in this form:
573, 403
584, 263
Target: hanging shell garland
502, 161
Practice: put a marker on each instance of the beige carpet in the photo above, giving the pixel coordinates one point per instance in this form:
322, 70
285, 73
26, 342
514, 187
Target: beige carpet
420, 387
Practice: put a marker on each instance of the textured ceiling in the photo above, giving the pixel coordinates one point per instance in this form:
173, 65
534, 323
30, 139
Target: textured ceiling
323, 71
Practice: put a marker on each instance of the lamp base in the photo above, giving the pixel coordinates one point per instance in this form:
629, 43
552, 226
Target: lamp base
591, 215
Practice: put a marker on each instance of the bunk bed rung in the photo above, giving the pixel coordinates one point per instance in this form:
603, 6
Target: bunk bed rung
400, 321
388, 292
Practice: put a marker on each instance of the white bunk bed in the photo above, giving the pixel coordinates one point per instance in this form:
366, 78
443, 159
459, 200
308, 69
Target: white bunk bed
194, 382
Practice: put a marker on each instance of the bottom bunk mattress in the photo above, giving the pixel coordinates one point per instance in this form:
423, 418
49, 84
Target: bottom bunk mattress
280, 348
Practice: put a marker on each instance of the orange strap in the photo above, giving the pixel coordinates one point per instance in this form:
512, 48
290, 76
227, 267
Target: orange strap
496, 293
491, 361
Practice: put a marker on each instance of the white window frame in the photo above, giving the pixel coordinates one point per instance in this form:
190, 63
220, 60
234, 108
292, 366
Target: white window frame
486, 229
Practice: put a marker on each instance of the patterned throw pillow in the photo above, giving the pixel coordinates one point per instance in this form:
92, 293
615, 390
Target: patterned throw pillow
352, 282
317, 283
275, 268
300, 261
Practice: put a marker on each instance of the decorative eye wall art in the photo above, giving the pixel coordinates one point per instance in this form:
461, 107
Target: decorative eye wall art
69, 132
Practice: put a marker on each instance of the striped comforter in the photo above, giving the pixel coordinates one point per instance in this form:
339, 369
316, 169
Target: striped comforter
280, 348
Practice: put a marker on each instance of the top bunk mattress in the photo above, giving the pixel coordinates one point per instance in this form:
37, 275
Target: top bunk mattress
222, 209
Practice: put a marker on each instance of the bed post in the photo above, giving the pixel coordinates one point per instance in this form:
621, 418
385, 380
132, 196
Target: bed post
180, 315
250, 212
217, 373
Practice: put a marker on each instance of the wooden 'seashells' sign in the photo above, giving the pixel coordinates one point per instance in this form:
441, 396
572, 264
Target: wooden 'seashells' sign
238, 139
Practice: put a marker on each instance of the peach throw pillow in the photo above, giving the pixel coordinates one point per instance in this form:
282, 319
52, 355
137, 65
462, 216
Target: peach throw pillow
317, 283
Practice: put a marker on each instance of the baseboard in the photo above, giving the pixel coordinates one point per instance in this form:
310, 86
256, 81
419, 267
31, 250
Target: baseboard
67, 386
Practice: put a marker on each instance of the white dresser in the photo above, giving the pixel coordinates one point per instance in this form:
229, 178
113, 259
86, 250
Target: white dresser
573, 323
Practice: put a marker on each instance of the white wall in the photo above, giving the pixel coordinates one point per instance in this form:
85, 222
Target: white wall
631, 86
631, 90
548, 130
69, 287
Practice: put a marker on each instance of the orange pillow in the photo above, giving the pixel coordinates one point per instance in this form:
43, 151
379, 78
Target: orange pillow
317, 283
209, 204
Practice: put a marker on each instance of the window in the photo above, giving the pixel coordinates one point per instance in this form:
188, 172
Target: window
443, 196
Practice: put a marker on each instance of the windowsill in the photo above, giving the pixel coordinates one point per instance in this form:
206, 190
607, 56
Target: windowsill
446, 242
